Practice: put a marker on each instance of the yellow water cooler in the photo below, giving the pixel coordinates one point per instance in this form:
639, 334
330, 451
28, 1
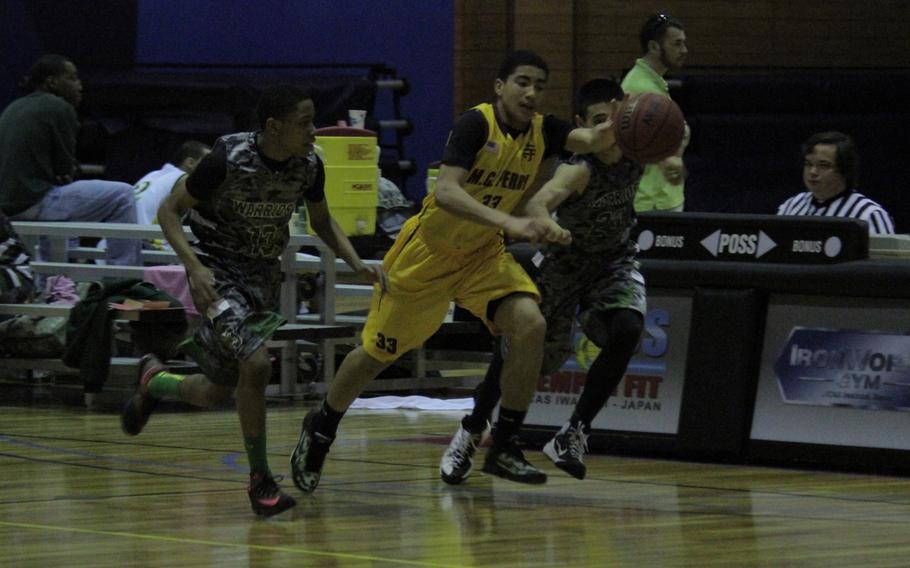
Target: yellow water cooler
351, 158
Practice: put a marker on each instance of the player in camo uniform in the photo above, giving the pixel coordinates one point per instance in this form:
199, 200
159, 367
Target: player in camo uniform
594, 279
240, 199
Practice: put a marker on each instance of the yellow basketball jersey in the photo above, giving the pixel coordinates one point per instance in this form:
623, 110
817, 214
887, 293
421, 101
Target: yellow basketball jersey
504, 169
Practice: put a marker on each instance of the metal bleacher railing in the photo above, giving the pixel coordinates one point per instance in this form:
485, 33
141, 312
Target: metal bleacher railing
320, 332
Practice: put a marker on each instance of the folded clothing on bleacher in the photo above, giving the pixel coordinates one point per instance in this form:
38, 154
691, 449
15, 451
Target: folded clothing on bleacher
172, 279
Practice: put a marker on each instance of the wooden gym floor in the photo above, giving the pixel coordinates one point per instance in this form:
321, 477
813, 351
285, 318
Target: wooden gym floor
75, 491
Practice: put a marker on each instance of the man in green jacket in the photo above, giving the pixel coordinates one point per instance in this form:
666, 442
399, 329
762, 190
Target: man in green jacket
663, 44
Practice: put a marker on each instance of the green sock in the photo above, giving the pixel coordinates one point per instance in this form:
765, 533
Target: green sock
164, 384
255, 452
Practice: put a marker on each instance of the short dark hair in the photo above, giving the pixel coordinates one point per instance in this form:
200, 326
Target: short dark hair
190, 149
846, 155
48, 65
600, 90
655, 27
276, 101
518, 58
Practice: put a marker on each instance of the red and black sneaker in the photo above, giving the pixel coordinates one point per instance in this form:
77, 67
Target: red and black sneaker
140, 406
266, 498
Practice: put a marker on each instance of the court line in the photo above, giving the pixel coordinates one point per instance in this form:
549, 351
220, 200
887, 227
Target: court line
111, 468
161, 538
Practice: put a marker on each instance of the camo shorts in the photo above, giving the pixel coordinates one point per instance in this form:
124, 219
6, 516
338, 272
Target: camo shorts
575, 288
243, 321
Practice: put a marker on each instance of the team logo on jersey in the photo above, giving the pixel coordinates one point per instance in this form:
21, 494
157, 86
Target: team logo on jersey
529, 151
491, 147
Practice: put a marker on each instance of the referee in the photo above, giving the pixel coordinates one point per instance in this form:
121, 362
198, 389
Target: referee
831, 173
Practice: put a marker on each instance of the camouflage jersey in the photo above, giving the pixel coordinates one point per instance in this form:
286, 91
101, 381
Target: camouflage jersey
244, 204
601, 218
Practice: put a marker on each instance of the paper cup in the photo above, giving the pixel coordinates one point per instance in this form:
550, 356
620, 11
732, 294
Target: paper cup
357, 118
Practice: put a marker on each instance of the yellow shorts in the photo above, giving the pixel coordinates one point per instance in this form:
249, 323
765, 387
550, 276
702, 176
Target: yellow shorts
422, 283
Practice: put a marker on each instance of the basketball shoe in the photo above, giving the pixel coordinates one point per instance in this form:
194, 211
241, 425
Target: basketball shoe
458, 460
567, 450
507, 461
140, 406
309, 455
266, 497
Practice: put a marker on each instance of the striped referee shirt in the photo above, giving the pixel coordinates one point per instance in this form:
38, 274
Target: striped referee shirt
851, 204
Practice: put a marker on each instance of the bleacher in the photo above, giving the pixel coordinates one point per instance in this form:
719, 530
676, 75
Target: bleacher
319, 333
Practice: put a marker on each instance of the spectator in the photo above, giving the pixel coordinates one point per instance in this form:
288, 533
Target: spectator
38, 163
663, 43
16, 282
831, 175
154, 186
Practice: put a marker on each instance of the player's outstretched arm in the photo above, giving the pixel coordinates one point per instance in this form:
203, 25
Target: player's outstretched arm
170, 212
451, 197
568, 179
333, 236
598, 138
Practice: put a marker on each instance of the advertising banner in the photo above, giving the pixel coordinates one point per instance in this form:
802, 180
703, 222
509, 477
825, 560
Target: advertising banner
834, 371
649, 397
824, 367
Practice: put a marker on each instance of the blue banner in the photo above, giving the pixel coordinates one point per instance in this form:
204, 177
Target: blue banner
855, 369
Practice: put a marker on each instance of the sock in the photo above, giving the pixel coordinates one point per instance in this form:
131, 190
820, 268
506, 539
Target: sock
486, 396
474, 424
326, 420
508, 425
256, 454
576, 422
165, 384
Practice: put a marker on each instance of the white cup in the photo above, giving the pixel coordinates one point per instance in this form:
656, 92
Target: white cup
357, 118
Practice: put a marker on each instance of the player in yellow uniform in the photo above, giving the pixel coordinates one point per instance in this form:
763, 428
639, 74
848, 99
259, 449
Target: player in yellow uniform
453, 251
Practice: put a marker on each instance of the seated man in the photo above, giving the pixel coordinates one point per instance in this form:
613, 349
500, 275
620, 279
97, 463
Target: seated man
16, 283
37, 160
154, 186
831, 174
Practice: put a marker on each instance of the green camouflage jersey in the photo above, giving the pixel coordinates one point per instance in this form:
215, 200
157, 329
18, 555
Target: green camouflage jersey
597, 272
245, 201
601, 218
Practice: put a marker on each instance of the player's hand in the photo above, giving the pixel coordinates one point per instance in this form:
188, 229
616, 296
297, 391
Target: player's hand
524, 229
604, 137
374, 273
202, 288
556, 234
673, 170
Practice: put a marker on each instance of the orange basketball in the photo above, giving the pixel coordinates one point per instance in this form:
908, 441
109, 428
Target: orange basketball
649, 128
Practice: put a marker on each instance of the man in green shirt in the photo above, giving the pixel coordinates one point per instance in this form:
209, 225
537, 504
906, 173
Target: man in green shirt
663, 44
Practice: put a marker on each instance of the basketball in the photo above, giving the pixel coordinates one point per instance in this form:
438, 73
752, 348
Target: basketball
649, 128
